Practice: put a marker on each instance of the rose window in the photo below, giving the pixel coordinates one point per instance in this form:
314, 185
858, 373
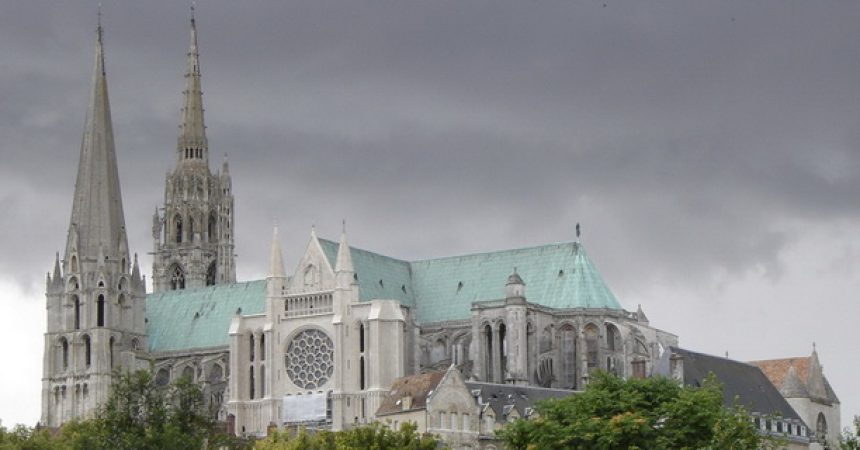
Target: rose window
309, 359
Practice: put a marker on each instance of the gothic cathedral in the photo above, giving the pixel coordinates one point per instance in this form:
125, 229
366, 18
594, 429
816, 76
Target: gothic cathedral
319, 345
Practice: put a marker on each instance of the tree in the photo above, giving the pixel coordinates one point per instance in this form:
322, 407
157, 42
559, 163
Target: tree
374, 436
851, 440
140, 415
24, 438
637, 414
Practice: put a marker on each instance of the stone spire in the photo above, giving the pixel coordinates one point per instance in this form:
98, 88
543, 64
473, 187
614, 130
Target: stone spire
276, 261
192, 144
97, 216
343, 268
344, 257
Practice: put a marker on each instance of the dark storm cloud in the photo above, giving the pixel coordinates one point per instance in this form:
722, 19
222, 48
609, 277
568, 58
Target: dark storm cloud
696, 141
660, 126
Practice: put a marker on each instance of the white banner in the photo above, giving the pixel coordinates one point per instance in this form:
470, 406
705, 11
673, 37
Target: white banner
304, 408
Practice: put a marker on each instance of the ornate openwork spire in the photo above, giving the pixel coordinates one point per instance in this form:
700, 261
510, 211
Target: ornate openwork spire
192, 144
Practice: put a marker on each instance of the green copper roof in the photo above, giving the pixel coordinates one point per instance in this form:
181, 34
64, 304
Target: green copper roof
556, 275
199, 318
379, 277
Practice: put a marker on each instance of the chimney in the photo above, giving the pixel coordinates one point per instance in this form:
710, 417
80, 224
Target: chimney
406, 403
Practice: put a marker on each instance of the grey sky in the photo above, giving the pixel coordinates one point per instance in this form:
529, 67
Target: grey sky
710, 149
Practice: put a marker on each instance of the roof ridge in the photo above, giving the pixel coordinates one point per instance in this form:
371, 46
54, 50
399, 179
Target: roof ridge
509, 250
779, 359
746, 363
577, 245
352, 247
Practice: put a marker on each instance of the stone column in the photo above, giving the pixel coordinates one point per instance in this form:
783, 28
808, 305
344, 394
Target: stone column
494, 354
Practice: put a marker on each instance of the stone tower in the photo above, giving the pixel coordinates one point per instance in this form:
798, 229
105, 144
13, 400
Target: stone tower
95, 303
193, 234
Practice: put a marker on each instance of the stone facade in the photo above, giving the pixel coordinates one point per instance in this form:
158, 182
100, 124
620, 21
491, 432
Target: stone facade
193, 234
95, 297
317, 349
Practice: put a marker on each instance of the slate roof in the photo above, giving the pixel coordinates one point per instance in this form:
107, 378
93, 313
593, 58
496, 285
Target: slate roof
419, 387
199, 318
740, 380
500, 397
556, 275
777, 369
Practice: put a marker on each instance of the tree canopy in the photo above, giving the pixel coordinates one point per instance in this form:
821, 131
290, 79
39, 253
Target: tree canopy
137, 415
850, 439
374, 436
649, 413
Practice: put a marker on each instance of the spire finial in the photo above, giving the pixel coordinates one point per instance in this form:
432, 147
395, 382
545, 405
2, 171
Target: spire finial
193, 4
578, 231
344, 226
99, 30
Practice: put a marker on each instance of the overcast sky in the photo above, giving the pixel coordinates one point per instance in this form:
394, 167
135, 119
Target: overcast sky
711, 150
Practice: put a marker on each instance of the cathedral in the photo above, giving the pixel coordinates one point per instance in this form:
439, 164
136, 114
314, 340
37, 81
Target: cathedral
321, 344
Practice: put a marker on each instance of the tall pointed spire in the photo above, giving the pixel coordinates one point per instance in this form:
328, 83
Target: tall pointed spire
97, 215
276, 261
192, 144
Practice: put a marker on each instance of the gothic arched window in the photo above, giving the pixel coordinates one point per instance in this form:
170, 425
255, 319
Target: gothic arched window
311, 276
188, 373
112, 342
210, 274
488, 355
64, 357
262, 381
177, 277
251, 383
87, 351
100, 311
77, 301
821, 428
503, 352
213, 227
567, 336
592, 334
177, 221
613, 338
162, 377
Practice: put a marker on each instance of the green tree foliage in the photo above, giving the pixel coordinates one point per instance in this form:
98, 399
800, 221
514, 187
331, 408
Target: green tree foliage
651, 413
140, 415
374, 437
137, 415
25, 438
851, 440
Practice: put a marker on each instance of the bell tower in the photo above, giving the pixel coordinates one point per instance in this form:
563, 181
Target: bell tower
193, 232
95, 295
